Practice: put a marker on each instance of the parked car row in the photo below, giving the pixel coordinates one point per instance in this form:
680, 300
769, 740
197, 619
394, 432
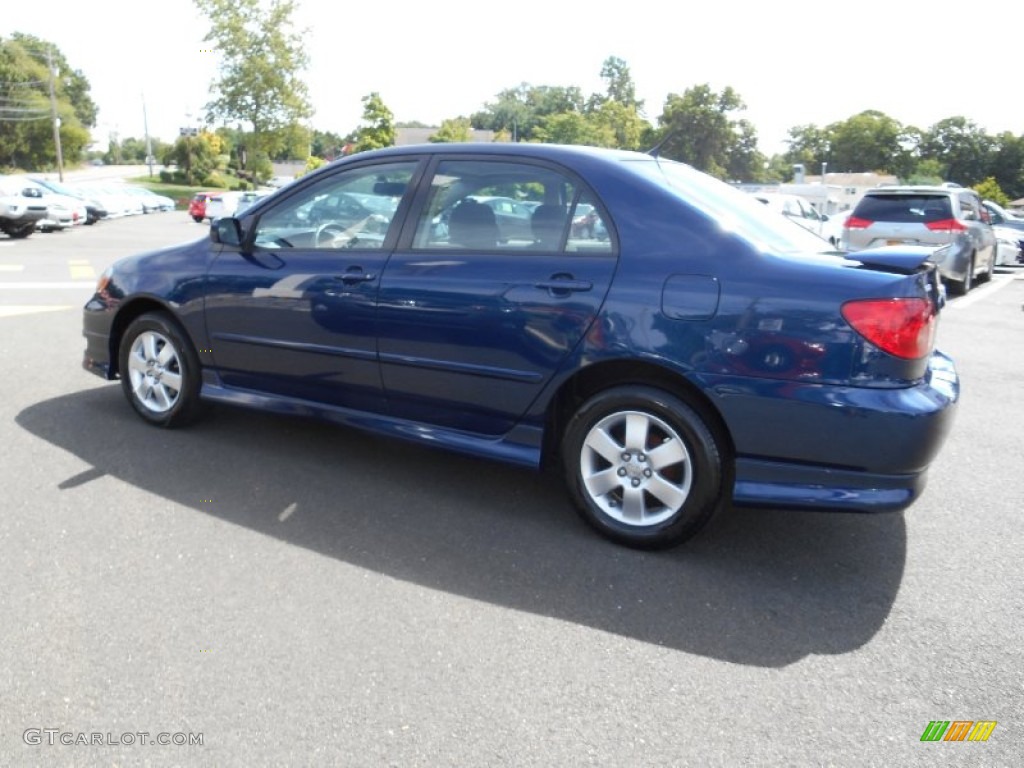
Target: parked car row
30, 203
207, 206
969, 236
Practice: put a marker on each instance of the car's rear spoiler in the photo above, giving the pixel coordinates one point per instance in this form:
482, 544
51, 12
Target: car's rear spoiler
902, 259
908, 260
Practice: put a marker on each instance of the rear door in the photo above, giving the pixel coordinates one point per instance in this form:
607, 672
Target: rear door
474, 320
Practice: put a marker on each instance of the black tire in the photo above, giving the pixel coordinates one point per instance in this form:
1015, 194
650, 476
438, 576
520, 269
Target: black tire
197, 219
160, 371
652, 487
23, 231
986, 276
962, 287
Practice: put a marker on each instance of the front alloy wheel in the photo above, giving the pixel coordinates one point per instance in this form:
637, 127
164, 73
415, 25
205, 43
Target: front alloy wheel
159, 371
643, 467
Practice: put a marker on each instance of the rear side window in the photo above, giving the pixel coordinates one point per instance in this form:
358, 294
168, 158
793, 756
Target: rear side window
905, 209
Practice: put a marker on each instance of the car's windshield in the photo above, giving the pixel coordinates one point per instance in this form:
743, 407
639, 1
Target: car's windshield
735, 211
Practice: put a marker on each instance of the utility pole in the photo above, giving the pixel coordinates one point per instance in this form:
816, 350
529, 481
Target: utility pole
53, 113
149, 146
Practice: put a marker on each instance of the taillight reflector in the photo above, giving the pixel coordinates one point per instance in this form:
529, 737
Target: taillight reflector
902, 327
853, 222
946, 225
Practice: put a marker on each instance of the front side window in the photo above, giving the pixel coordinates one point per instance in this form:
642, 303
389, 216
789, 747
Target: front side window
351, 209
504, 205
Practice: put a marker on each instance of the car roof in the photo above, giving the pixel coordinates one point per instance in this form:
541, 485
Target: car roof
552, 151
912, 188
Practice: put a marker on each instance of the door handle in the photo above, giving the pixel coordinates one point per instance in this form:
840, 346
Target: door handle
355, 275
563, 286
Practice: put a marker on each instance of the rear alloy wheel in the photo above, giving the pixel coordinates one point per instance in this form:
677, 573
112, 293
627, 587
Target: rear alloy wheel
643, 467
160, 371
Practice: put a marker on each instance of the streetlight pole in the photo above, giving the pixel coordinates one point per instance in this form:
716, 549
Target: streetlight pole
53, 112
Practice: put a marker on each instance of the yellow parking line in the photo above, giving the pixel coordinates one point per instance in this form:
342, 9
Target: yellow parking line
12, 267
81, 269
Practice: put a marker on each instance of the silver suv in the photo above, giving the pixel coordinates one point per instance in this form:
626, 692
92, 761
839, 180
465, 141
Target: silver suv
929, 216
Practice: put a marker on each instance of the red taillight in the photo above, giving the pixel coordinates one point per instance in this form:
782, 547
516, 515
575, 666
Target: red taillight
946, 225
854, 222
902, 327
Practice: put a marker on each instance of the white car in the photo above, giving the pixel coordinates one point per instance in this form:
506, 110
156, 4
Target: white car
1008, 245
62, 211
19, 211
230, 203
150, 200
798, 210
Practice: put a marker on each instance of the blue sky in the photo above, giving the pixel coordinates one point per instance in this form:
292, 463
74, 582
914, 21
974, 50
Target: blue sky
792, 63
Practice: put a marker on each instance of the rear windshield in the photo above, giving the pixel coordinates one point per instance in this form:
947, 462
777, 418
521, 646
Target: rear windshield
735, 211
904, 208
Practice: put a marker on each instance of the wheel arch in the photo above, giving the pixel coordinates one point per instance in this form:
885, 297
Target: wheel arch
600, 376
126, 315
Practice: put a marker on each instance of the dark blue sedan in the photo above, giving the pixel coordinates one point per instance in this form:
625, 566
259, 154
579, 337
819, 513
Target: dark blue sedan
687, 350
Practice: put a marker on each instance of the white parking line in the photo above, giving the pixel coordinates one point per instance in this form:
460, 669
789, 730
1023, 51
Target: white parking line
57, 286
13, 310
981, 292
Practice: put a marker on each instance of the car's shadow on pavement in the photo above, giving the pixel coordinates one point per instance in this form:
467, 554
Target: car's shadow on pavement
763, 588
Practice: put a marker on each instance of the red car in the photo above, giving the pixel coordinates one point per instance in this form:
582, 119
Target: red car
197, 206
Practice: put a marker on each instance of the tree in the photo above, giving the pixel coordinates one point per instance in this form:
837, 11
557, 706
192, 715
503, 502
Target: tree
808, 146
379, 128
700, 129
961, 147
453, 131
195, 156
26, 121
261, 59
326, 144
989, 190
1006, 164
574, 128
619, 86
520, 110
871, 141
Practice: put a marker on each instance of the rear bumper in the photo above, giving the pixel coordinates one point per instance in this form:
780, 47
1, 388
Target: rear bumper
847, 449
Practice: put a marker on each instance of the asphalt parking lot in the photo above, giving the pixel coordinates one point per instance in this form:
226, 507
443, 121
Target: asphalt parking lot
297, 594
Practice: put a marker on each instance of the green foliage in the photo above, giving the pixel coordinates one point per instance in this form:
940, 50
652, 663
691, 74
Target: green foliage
989, 190
26, 122
701, 130
962, 148
313, 162
261, 58
326, 145
195, 157
521, 110
928, 171
619, 83
215, 180
379, 129
574, 128
455, 130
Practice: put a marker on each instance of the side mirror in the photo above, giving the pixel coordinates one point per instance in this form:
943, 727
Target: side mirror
226, 231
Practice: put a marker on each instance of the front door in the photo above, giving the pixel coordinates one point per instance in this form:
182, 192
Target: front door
295, 313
